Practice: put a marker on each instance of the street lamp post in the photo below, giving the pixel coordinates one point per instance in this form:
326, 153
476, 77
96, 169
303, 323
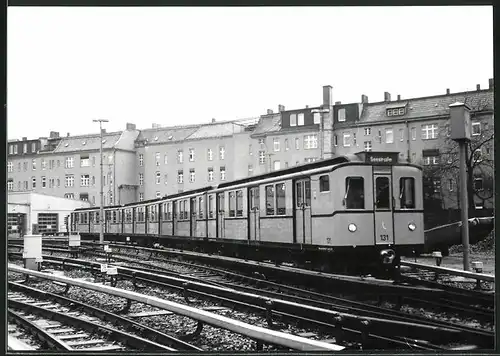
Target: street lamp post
101, 209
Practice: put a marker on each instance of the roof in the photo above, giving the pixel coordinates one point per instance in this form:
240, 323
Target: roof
215, 130
87, 142
429, 106
268, 124
167, 134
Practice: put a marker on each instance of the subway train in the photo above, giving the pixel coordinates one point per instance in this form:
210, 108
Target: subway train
353, 213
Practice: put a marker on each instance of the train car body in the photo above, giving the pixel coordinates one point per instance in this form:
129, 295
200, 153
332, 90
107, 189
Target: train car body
358, 210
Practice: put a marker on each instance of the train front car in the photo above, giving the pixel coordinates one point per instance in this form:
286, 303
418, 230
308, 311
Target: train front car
385, 203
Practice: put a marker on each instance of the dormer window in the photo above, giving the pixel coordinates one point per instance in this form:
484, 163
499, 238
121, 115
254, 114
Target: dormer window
398, 109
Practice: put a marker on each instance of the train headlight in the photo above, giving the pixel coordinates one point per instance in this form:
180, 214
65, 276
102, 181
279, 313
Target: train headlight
352, 227
412, 226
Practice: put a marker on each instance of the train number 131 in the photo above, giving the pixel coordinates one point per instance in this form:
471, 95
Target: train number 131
384, 237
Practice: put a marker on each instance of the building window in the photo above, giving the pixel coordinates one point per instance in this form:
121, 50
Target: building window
368, 146
368, 131
191, 175
316, 118
84, 161
477, 155
25, 148
33, 147
297, 143
429, 131
222, 153
478, 184
262, 157
33, 164
300, 119
210, 174
287, 147
310, 142
19, 185
141, 196
191, 155
19, 166
69, 180
401, 134
84, 196
354, 139
210, 154
276, 144
84, 180
10, 185
222, 173
180, 177
261, 142
157, 159
389, 136
341, 115
15, 149
250, 150
141, 179
250, 170
25, 166
276, 165
158, 178
395, 112
413, 133
346, 139
141, 160
69, 196
431, 160
476, 128
180, 157
11, 149
324, 183
10, 167
335, 140
33, 182
25, 185
68, 162
58, 182
44, 164
158, 194
293, 119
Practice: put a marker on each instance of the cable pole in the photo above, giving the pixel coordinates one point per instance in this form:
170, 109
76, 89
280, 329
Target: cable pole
101, 208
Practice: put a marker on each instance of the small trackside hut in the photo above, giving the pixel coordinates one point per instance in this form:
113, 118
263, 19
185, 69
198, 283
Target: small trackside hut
358, 212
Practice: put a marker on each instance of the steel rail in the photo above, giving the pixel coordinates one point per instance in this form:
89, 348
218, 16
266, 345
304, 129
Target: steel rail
144, 330
451, 271
255, 332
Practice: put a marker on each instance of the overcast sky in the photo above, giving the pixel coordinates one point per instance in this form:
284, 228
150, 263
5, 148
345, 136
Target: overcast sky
69, 65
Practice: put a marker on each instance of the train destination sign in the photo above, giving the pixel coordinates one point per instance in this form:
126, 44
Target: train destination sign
379, 157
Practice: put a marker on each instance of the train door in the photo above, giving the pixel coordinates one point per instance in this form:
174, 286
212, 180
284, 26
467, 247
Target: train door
254, 214
303, 228
193, 217
175, 216
384, 233
220, 215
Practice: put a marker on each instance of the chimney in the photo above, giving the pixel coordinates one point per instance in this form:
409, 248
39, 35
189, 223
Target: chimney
387, 97
269, 111
25, 139
213, 120
307, 106
364, 99
67, 135
130, 126
399, 97
327, 96
478, 87
448, 91
54, 134
490, 83
103, 131
338, 102
281, 108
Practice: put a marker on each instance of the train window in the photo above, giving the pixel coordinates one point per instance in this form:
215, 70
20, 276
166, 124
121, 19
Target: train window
169, 211
254, 198
97, 217
407, 193
184, 208
383, 193
210, 206
280, 199
128, 215
114, 217
200, 207
307, 185
152, 213
239, 203
193, 207
269, 200
324, 183
221, 203
354, 197
232, 197
300, 196
91, 216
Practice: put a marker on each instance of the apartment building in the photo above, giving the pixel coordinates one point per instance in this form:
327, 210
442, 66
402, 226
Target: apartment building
71, 168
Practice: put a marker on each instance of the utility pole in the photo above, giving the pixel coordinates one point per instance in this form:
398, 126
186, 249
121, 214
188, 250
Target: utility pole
101, 209
461, 133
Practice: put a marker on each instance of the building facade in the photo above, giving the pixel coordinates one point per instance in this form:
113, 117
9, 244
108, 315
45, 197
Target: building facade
142, 165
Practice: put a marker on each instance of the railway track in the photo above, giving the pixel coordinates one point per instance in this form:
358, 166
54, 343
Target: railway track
358, 321
61, 328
